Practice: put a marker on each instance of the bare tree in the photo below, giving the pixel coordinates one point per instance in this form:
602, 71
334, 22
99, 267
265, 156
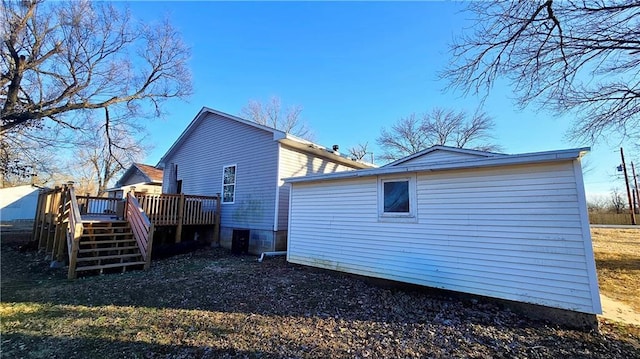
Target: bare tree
597, 204
360, 151
439, 127
105, 152
61, 60
29, 156
618, 200
578, 56
271, 114
404, 138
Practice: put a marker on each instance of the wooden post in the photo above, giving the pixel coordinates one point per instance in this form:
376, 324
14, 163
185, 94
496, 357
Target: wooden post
152, 230
76, 233
45, 219
132, 192
60, 235
60, 255
216, 221
38, 217
626, 179
180, 218
75, 244
51, 220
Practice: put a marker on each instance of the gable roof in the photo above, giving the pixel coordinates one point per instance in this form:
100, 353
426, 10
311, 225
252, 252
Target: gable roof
481, 162
440, 148
279, 136
150, 173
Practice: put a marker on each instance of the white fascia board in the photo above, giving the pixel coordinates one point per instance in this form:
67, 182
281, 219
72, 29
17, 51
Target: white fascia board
525, 158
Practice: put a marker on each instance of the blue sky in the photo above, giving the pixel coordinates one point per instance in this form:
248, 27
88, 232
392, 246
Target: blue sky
354, 68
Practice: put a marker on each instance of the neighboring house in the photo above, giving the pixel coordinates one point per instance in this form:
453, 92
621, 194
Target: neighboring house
145, 178
18, 203
245, 163
513, 227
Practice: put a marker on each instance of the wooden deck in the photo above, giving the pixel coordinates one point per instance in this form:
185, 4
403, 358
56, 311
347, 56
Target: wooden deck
166, 210
94, 234
182, 210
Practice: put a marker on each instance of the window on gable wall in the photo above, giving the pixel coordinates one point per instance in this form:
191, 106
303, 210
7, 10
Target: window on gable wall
229, 184
397, 198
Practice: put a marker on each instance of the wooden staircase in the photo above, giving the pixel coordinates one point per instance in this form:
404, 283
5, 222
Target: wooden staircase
96, 239
107, 246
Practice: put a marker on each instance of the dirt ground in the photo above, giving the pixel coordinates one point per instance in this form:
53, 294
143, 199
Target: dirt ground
211, 304
618, 311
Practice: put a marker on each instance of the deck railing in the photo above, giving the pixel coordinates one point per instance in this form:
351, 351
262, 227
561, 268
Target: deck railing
180, 209
58, 225
141, 227
161, 209
99, 206
60, 213
74, 229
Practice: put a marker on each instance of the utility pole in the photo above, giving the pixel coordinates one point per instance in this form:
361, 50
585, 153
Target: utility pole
635, 182
626, 180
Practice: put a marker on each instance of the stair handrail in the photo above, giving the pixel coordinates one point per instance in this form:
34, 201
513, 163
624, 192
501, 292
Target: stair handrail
141, 227
74, 228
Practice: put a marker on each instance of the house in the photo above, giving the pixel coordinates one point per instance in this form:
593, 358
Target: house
513, 227
246, 163
145, 178
18, 203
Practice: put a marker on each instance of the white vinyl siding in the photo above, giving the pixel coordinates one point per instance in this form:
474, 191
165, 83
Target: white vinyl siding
294, 163
513, 232
218, 141
18, 202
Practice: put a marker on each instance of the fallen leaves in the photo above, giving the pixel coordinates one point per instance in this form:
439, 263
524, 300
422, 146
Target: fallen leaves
212, 304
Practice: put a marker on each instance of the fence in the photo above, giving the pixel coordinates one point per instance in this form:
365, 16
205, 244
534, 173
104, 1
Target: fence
609, 218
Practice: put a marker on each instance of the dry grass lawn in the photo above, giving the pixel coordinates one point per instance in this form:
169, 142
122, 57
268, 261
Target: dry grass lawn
617, 253
210, 304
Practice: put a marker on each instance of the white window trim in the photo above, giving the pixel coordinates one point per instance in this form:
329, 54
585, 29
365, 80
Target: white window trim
235, 184
412, 215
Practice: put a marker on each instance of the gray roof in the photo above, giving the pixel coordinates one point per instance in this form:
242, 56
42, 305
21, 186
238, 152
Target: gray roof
479, 162
465, 151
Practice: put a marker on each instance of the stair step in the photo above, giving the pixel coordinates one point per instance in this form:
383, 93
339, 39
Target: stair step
112, 265
106, 234
115, 256
107, 249
108, 241
103, 222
